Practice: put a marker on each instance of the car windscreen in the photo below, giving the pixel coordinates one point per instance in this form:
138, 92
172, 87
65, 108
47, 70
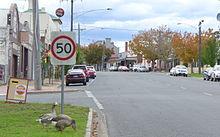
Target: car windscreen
79, 67
180, 67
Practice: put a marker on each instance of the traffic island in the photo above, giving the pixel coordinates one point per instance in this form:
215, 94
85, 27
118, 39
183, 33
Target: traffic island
20, 120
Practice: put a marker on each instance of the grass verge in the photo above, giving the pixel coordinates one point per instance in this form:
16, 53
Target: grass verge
19, 120
197, 75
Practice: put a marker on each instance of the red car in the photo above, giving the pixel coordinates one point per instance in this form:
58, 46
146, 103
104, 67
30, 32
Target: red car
83, 67
75, 76
91, 71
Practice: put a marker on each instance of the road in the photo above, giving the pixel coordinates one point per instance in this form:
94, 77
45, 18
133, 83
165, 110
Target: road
149, 104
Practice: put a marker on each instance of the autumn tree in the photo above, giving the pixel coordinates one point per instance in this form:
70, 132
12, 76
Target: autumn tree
142, 44
186, 47
153, 44
94, 53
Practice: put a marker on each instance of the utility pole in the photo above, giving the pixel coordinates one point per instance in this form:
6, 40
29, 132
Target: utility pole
199, 48
37, 55
71, 29
103, 55
79, 34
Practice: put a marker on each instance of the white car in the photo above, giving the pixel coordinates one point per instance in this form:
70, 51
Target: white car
113, 68
207, 74
135, 67
180, 70
172, 71
215, 73
142, 69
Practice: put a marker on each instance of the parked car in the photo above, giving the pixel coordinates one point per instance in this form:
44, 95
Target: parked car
83, 67
180, 70
91, 71
207, 73
123, 68
172, 71
135, 67
142, 69
75, 76
215, 75
113, 68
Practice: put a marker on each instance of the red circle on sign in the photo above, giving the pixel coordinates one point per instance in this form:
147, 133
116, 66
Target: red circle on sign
60, 12
63, 37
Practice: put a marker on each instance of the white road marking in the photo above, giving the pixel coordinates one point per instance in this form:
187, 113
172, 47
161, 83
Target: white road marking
183, 88
90, 82
98, 104
208, 94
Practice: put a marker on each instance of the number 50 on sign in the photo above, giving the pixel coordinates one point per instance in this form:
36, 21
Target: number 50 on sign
63, 48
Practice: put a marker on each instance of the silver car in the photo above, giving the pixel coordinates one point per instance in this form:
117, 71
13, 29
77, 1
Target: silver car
207, 74
172, 71
180, 70
142, 69
215, 76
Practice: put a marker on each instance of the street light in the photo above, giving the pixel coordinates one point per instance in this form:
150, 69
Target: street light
199, 43
82, 13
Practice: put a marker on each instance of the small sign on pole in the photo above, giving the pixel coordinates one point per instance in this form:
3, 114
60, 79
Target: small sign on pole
63, 49
17, 90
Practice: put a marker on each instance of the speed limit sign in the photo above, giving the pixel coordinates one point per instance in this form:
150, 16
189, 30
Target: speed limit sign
63, 48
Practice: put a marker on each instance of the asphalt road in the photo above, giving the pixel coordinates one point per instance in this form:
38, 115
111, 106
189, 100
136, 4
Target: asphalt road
150, 104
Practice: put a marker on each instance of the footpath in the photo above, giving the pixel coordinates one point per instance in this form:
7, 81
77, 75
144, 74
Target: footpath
47, 87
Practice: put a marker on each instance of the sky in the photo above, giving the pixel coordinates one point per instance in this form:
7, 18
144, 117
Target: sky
127, 17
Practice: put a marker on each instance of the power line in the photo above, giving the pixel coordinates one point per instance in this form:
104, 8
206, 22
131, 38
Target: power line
113, 28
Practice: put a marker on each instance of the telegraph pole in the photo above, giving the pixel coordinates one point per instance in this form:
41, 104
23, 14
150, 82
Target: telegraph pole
79, 34
71, 29
37, 55
199, 48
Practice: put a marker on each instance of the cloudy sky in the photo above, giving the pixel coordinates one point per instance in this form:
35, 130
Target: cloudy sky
127, 17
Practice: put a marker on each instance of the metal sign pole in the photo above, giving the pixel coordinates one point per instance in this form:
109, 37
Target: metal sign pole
62, 90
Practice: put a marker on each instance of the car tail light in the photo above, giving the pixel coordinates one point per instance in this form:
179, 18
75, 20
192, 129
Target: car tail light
81, 75
68, 75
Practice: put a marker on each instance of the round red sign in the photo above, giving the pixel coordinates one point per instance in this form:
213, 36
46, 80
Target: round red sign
63, 51
59, 12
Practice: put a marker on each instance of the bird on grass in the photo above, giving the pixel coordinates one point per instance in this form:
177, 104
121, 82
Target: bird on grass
63, 121
46, 119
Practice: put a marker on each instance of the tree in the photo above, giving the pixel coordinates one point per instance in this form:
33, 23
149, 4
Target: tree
142, 44
163, 41
153, 44
94, 52
210, 47
210, 52
186, 47
79, 55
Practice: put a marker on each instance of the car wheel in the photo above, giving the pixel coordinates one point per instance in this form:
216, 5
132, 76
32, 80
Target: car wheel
204, 78
212, 77
67, 84
84, 83
207, 78
215, 79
